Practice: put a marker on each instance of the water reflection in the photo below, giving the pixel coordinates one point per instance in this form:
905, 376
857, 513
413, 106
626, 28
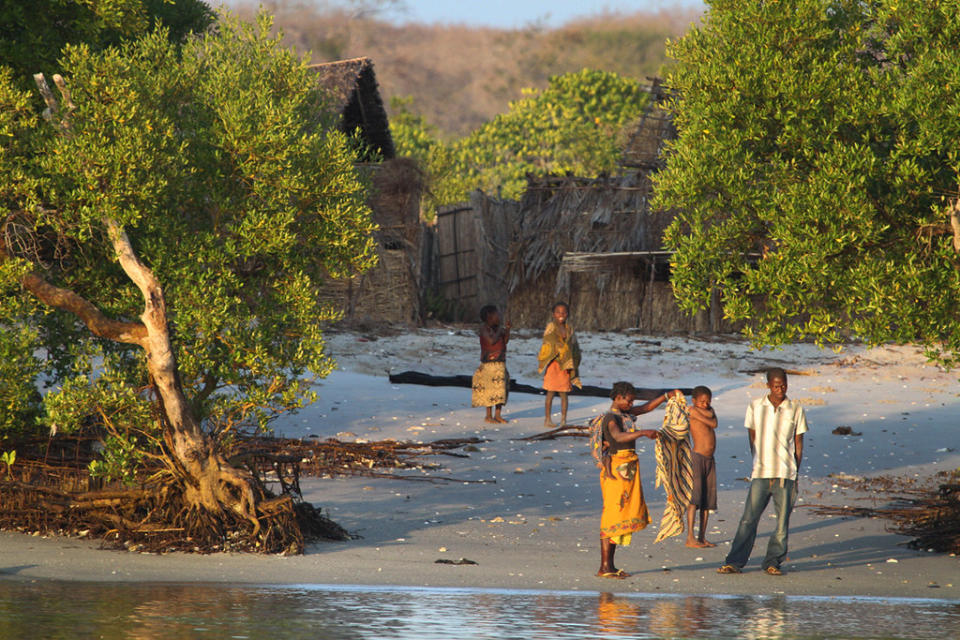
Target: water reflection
161, 611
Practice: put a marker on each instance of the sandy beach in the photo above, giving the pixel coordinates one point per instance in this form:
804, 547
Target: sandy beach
534, 522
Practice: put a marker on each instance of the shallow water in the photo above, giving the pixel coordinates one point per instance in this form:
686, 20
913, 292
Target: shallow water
154, 611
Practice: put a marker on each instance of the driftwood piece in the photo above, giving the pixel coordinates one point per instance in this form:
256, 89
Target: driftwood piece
426, 379
567, 430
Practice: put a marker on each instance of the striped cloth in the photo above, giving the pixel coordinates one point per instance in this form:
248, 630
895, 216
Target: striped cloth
674, 472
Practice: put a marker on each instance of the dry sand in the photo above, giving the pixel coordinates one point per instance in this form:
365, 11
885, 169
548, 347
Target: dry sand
535, 524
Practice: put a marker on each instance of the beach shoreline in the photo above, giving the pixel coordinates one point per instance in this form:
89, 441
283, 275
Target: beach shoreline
533, 524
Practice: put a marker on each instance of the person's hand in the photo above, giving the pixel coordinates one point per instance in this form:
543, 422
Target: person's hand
651, 433
677, 394
507, 325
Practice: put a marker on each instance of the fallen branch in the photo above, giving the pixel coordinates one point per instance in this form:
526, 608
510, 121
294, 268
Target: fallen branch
466, 382
569, 430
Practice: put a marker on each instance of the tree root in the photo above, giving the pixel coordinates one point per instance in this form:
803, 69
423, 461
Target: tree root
229, 507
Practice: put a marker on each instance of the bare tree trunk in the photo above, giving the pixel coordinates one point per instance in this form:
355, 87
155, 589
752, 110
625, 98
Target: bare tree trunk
211, 483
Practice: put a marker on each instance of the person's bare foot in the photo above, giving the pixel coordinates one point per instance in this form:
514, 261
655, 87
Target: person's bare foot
490, 420
500, 420
706, 544
549, 424
693, 543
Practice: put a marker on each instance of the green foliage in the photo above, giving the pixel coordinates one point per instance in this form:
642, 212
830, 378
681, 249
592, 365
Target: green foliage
818, 141
574, 125
119, 459
222, 163
8, 458
34, 33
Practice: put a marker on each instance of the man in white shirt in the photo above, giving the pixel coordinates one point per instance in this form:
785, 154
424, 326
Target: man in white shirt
776, 426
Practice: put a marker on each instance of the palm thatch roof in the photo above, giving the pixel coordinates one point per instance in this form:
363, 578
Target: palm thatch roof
561, 215
644, 148
352, 86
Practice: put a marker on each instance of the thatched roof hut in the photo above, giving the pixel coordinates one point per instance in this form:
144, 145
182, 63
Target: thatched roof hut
566, 214
596, 244
390, 292
599, 226
644, 148
353, 88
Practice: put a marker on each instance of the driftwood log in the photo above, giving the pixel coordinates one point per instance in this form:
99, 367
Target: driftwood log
426, 379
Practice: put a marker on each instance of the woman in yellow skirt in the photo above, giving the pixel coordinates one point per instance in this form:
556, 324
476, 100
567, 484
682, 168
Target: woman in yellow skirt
624, 509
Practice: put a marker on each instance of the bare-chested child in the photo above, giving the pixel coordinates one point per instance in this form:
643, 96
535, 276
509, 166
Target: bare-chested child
703, 498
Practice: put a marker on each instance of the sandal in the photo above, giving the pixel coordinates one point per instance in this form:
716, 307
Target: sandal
729, 568
619, 574
773, 571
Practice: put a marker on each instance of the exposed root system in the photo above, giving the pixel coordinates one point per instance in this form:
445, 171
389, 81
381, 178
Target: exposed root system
49, 490
929, 511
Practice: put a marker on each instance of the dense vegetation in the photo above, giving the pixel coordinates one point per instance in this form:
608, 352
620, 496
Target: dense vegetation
166, 226
577, 125
33, 34
459, 77
816, 172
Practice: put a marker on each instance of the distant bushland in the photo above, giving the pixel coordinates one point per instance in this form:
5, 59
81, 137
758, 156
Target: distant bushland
459, 77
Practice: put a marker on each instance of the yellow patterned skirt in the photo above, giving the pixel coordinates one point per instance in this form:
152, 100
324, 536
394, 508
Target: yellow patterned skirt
491, 384
624, 509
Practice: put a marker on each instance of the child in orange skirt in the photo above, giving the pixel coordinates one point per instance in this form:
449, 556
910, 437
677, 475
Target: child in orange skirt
559, 361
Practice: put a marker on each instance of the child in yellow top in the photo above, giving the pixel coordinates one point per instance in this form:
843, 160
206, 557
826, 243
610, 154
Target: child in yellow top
559, 361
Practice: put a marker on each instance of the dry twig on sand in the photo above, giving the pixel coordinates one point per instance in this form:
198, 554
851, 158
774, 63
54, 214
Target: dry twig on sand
928, 512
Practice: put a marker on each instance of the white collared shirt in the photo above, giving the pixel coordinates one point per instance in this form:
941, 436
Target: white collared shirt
775, 428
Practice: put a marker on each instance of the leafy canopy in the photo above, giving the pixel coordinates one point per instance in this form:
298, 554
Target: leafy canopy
574, 125
221, 162
818, 144
34, 33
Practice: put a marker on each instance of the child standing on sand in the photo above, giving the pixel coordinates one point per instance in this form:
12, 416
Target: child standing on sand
624, 509
703, 497
491, 382
559, 361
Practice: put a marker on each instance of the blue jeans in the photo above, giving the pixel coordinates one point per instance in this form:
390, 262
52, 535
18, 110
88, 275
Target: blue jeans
784, 493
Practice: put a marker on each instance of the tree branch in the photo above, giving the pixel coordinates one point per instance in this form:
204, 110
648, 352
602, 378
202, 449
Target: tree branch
955, 224
161, 360
99, 324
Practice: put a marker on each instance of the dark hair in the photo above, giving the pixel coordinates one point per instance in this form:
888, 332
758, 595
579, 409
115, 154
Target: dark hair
561, 303
486, 310
622, 389
774, 373
701, 391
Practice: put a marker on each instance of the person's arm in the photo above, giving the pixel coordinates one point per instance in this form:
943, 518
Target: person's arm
800, 429
650, 405
798, 449
624, 437
709, 418
748, 423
